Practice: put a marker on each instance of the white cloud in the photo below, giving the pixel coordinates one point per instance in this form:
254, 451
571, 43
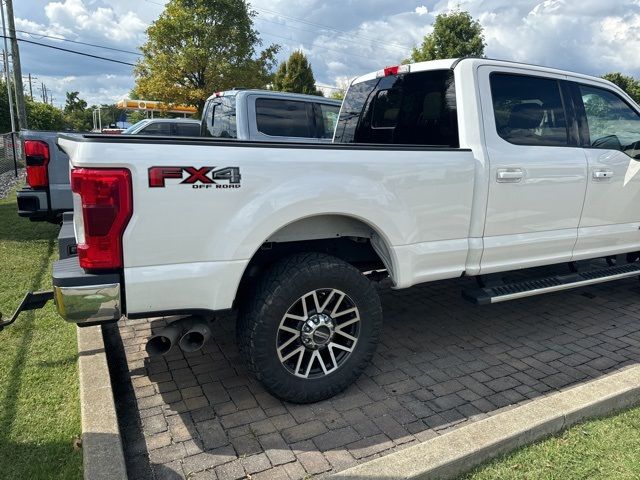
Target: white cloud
422, 10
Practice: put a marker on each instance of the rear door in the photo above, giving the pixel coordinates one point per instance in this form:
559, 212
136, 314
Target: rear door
611, 216
537, 173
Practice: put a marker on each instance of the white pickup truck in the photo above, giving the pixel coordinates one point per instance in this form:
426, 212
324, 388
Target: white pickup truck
438, 170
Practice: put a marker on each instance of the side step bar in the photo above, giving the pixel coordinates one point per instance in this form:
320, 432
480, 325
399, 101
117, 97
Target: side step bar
529, 288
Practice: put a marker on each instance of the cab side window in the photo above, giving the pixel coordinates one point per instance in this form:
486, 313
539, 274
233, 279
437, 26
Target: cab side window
187, 129
284, 118
528, 110
158, 128
612, 123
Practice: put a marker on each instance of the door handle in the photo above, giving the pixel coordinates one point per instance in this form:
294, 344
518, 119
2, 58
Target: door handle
512, 175
599, 174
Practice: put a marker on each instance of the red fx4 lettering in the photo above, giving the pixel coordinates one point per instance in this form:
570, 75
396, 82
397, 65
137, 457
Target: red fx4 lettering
202, 175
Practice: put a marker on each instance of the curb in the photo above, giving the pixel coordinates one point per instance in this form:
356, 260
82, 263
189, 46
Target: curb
101, 442
462, 449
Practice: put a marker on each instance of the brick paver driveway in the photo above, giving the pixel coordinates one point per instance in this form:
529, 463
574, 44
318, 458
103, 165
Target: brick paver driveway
441, 362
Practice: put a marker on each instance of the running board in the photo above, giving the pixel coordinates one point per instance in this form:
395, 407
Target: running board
529, 288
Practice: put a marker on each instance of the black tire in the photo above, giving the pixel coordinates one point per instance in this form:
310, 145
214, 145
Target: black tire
275, 294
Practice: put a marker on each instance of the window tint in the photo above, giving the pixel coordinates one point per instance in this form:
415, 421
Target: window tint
187, 129
284, 118
612, 123
157, 128
328, 119
220, 118
528, 110
412, 109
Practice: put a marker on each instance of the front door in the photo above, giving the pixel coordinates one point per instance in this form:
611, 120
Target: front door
537, 172
611, 216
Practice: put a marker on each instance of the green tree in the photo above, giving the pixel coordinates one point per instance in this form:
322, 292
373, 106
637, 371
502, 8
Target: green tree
627, 83
295, 75
74, 103
5, 119
42, 116
197, 47
455, 34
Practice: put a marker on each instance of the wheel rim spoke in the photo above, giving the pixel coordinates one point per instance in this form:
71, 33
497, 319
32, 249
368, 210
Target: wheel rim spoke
344, 312
342, 347
326, 302
290, 330
337, 305
350, 337
288, 342
348, 322
310, 341
300, 349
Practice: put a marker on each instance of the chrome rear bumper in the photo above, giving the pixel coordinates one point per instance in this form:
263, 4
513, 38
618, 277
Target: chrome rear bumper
85, 298
88, 304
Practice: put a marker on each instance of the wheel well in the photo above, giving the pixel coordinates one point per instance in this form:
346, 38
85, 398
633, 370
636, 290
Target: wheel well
343, 237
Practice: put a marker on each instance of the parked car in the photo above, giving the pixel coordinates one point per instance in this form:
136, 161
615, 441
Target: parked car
166, 127
269, 116
440, 170
260, 115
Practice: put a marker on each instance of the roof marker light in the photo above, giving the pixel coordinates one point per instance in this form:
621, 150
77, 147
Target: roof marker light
393, 70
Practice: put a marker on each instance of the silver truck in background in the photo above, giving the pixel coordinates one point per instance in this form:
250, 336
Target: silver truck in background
268, 116
257, 115
47, 193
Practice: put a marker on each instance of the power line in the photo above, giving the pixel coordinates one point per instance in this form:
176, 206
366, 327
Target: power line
280, 24
76, 52
312, 45
42, 35
326, 27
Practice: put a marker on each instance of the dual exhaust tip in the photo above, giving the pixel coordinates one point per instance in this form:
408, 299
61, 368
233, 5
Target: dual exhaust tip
190, 334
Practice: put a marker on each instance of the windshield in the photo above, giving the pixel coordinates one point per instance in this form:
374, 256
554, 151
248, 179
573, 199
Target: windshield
136, 126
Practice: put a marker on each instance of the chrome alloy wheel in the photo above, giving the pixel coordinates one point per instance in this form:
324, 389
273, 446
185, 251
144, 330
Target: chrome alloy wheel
318, 333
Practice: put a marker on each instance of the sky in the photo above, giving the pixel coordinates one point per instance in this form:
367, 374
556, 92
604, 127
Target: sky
342, 38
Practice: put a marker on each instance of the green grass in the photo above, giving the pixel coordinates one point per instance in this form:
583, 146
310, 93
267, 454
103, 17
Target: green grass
39, 397
607, 448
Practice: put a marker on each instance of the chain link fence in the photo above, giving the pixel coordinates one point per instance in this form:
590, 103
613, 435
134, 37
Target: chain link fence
11, 154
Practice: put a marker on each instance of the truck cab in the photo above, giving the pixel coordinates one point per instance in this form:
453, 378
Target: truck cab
269, 116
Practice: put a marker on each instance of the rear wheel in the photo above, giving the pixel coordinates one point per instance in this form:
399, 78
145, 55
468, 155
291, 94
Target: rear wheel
310, 327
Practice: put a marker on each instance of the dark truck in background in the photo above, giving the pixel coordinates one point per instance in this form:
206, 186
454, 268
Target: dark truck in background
256, 115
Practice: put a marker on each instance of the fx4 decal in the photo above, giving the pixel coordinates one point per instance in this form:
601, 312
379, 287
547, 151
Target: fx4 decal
203, 177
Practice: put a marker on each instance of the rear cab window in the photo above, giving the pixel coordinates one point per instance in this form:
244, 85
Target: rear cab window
187, 129
157, 128
284, 118
408, 109
220, 118
326, 119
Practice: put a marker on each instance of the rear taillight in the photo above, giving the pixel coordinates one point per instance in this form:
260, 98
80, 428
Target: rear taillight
105, 200
37, 159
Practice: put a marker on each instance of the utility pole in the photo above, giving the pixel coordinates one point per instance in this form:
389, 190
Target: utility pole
7, 75
30, 85
17, 70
